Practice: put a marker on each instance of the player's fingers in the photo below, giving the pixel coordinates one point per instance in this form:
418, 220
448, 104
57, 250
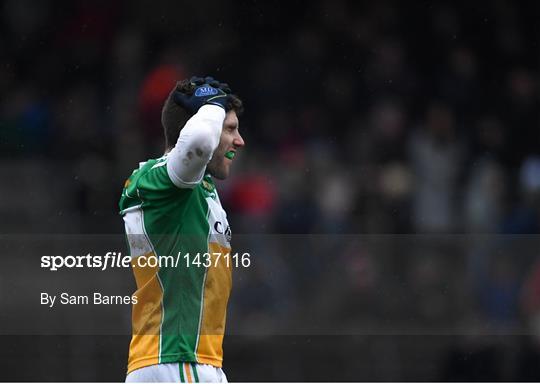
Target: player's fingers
211, 81
195, 80
225, 87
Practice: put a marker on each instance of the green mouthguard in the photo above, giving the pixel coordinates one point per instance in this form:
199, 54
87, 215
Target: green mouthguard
230, 155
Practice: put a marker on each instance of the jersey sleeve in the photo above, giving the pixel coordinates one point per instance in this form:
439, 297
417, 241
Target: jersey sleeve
196, 143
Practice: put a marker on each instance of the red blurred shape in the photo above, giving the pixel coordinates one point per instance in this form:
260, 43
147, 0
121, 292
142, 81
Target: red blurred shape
155, 88
252, 195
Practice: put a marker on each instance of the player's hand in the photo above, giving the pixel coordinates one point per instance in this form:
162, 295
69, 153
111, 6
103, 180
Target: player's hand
204, 91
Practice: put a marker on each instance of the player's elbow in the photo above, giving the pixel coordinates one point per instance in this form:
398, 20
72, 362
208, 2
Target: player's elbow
202, 145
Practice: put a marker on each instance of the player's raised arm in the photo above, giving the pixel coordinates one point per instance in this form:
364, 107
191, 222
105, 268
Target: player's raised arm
200, 136
196, 144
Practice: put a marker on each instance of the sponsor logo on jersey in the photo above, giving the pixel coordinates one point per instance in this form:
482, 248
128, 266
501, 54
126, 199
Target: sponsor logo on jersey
206, 185
209, 189
205, 91
218, 226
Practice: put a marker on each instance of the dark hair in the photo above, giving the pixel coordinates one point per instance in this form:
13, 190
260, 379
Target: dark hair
174, 117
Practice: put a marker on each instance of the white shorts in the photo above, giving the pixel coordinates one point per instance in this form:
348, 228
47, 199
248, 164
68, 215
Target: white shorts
177, 373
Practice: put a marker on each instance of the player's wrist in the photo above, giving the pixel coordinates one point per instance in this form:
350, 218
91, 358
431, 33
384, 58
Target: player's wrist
213, 111
220, 101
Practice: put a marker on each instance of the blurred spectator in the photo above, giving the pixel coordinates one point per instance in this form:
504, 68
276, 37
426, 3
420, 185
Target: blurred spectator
484, 197
25, 123
525, 215
156, 87
437, 154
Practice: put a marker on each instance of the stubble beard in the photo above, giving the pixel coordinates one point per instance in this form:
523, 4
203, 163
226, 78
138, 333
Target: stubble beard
217, 168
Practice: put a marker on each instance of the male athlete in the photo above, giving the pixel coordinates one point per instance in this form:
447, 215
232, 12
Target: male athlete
170, 206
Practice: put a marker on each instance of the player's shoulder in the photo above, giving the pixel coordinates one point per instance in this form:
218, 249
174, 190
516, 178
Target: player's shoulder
148, 165
152, 174
152, 177
148, 184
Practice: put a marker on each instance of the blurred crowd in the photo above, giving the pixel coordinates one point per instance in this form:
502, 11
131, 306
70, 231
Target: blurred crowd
379, 117
360, 118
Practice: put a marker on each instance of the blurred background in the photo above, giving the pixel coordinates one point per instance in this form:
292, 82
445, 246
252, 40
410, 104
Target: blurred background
381, 117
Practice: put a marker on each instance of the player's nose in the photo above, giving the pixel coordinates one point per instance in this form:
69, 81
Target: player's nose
238, 141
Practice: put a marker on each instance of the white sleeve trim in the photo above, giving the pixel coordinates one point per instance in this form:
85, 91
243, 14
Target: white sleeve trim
181, 183
186, 163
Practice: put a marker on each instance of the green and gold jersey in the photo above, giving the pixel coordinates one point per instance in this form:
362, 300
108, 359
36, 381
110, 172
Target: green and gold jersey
181, 309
